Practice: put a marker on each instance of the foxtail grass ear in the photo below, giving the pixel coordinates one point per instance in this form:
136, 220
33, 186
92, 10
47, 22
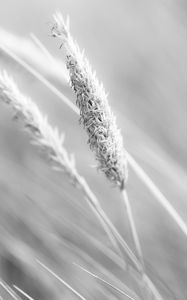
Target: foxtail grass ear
104, 138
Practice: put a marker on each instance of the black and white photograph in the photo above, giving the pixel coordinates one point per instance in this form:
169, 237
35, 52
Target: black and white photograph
93, 149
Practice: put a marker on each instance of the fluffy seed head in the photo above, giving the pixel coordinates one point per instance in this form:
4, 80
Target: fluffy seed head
43, 135
96, 116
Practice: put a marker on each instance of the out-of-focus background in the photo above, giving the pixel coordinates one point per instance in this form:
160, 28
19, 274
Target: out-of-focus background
139, 50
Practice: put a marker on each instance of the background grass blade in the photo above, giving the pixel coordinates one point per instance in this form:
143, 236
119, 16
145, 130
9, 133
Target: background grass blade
60, 280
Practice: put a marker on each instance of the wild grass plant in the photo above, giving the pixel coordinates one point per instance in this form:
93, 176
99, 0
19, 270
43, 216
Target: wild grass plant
105, 139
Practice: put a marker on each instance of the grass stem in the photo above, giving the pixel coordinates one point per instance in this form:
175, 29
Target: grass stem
133, 227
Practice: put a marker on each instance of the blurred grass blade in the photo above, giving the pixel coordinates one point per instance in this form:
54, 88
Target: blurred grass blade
9, 290
61, 280
157, 193
161, 283
152, 288
121, 240
87, 259
99, 213
22, 292
32, 53
104, 281
40, 77
41, 46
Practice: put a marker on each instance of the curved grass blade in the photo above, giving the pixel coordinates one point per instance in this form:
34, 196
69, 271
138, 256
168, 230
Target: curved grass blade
61, 280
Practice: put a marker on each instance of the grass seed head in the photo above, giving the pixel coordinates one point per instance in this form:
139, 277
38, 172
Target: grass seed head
48, 139
96, 116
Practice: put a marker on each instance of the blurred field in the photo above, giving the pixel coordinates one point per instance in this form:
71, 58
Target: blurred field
139, 50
